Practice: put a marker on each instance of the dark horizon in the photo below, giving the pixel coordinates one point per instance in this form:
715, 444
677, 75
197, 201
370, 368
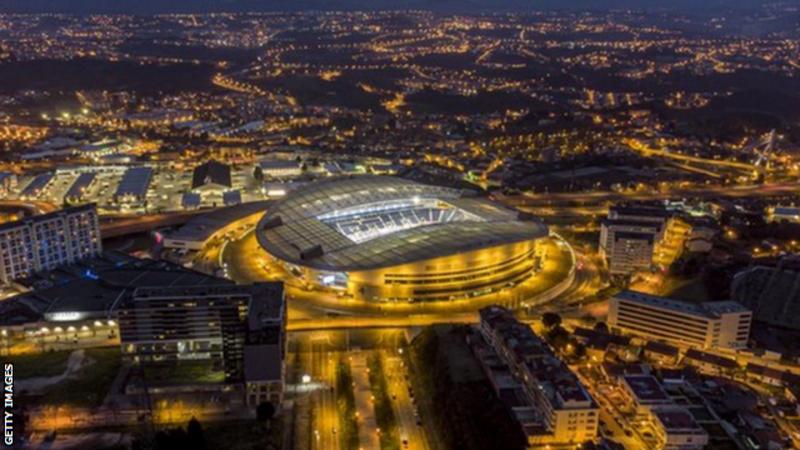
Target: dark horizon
449, 6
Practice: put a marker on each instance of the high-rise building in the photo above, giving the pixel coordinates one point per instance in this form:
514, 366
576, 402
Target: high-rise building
570, 414
47, 241
629, 235
724, 324
237, 330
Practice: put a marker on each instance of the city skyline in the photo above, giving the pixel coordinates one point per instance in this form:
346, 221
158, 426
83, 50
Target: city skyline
463, 225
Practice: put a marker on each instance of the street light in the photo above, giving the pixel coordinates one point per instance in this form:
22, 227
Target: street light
305, 379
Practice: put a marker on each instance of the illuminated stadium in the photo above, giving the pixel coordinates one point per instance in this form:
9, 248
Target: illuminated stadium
391, 239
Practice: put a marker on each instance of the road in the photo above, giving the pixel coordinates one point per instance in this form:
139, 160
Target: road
139, 224
404, 407
325, 414
244, 261
598, 197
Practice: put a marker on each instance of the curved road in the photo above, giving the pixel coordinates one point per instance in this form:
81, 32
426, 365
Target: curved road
244, 261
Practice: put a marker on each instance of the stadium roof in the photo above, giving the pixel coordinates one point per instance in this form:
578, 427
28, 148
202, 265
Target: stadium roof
299, 229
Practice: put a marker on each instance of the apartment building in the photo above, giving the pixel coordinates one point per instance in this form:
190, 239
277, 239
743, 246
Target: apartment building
47, 241
724, 324
629, 235
569, 413
676, 429
238, 330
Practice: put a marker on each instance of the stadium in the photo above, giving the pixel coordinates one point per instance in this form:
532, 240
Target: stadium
389, 239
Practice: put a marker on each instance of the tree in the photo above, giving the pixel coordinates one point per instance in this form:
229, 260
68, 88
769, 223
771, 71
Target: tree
194, 435
601, 327
578, 350
558, 337
551, 320
265, 411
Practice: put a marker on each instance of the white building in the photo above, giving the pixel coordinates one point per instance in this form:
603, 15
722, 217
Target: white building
570, 414
47, 241
644, 392
676, 429
724, 324
627, 246
783, 214
280, 168
629, 235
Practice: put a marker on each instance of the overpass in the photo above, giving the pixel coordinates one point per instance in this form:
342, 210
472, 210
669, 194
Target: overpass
114, 227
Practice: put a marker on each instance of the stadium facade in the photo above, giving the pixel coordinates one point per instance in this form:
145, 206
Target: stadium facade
391, 239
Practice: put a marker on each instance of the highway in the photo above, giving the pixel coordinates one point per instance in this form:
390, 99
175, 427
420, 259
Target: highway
325, 413
601, 197
114, 227
639, 147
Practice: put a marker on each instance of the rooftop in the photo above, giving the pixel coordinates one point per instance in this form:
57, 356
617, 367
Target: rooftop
94, 288
211, 172
555, 379
646, 388
711, 310
676, 419
135, 182
202, 227
709, 358
49, 216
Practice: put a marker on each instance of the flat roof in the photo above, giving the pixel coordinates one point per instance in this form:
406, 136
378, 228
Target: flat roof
95, 287
200, 228
38, 183
646, 388
555, 379
710, 358
676, 418
48, 216
80, 184
710, 310
135, 182
279, 164
631, 235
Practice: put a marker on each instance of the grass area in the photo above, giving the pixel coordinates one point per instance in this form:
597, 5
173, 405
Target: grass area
47, 364
384, 414
691, 289
464, 411
346, 402
89, 386
183, 372
244, 435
